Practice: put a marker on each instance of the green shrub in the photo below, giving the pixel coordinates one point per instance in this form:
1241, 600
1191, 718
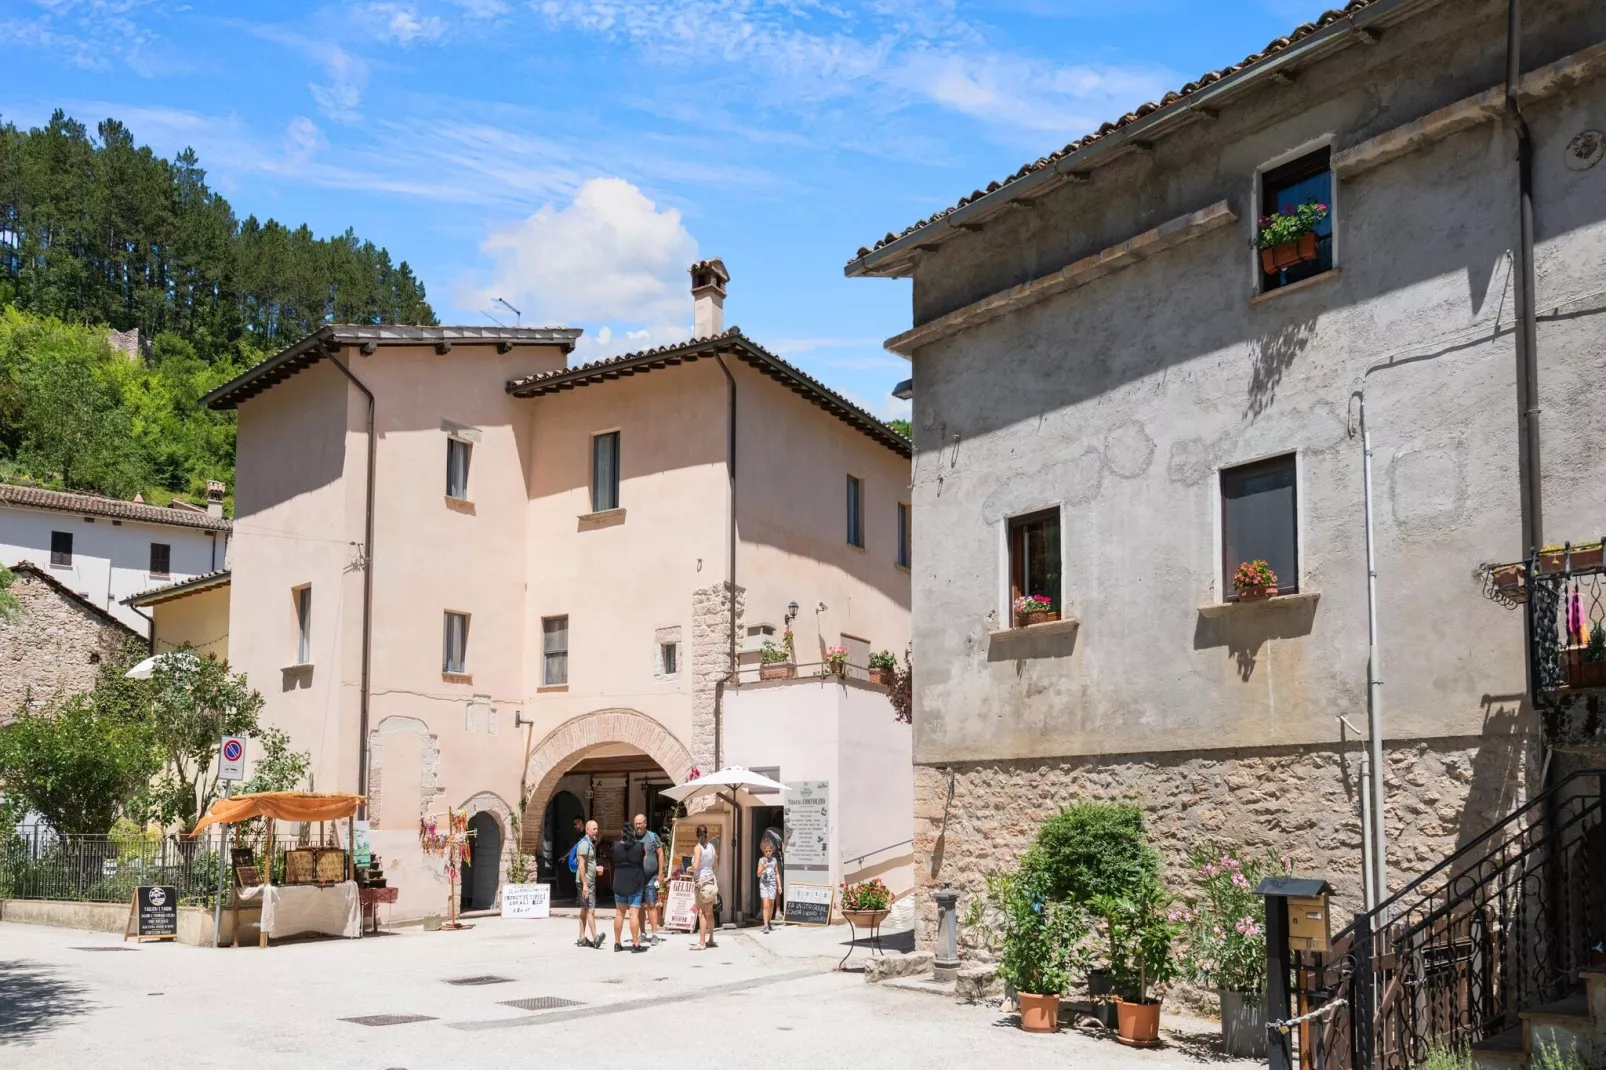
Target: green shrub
1092, 850
1448, 1059
1043, 942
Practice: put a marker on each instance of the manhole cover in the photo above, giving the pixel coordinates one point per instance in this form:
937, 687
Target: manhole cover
541, 1003
388, 1019
108, 948
1585, 150
483, 979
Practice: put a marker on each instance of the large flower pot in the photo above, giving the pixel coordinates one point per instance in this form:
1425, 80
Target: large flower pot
777, 670
1042, 616
1243, 1024
881, 677
1289, 254
1137, 1022
1257, 594
1039, 1014
1556, 560
1586, 673
866, 919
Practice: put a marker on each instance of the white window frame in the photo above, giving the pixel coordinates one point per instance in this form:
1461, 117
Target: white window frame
546, 680
618, 473
455, 443
459, 647
667, 653
1219, 582
1257, 188
303, 604
1006, 610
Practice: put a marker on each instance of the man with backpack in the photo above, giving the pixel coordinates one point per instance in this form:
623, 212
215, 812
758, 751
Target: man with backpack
583, 864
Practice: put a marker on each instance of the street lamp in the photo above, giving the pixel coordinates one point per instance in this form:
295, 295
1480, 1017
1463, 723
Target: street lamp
791, 613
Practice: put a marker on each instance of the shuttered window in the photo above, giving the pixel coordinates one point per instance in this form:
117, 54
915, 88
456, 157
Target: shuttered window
605, 471
554, 651
855, 512
455, 654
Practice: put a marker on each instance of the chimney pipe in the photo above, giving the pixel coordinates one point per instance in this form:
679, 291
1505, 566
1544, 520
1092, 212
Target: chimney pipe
708, 279
214, 497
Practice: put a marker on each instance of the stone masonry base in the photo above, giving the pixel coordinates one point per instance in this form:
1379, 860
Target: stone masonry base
1298, 801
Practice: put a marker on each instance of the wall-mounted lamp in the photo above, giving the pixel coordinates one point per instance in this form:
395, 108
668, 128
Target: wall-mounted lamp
904, 390
791, 613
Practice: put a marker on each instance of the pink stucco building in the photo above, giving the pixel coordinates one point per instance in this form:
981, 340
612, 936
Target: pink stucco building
468, 574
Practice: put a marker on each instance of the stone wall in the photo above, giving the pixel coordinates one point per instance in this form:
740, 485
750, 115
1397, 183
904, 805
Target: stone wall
1299, 802
56, 643
710, 665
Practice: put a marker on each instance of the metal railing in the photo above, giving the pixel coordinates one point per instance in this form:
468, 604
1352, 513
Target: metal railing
816, 671
1500, 927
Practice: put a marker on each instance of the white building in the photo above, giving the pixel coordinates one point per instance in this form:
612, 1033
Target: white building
106, 549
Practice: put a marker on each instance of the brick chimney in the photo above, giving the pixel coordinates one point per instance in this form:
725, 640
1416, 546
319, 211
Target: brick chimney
214, 497
708, 279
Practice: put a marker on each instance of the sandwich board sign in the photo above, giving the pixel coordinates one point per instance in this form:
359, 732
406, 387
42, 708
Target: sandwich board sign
231, 758
526, 900
680, 908
153, 914
809, 904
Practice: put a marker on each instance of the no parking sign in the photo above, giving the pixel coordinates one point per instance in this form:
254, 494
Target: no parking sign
231, 758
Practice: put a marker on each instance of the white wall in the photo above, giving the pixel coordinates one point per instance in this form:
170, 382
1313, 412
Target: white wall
111, 558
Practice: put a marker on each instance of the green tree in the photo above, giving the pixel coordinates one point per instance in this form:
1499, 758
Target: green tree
1095, 849
192, 702
9, 609
901, 426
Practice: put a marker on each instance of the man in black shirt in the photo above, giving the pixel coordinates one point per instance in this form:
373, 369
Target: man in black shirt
629, 879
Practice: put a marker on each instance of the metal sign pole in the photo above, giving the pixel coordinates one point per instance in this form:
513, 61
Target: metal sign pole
222, 873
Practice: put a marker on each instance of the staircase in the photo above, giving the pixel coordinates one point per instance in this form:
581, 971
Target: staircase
1576, 1022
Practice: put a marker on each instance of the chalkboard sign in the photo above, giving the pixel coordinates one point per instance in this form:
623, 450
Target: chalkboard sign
808, 904
153, 914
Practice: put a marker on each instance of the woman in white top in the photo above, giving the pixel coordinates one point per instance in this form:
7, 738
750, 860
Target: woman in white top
703, 857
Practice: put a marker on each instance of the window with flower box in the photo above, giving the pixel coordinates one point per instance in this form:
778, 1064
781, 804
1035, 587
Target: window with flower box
1034, 557
1302, 186
1259, 522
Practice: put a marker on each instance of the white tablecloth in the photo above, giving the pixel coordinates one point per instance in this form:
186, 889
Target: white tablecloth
291, 909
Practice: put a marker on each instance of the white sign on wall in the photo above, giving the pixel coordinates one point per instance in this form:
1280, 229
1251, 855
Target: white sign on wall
526, 900
807, 853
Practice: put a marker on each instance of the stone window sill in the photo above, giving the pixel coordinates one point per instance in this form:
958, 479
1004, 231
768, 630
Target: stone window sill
1052, 627
305, 666
1301, 599
457, 677
1294, 287
460, 505
551, 689
605, 518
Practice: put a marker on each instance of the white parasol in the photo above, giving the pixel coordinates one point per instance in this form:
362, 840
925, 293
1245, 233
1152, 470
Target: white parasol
733, 785
147, 668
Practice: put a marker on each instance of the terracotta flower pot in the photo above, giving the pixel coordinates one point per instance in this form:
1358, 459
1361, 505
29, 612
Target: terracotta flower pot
1041, 616
881, 677
1301, 250
777, 670
1511, 581
1256, 594
1580, 559
839, 669
1582, 673
1039, 1014
1137, 1022
866, 919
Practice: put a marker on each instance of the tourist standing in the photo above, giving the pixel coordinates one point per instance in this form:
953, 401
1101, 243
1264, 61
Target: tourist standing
769, 881
628, 878
585, 872
652, 863
703, 857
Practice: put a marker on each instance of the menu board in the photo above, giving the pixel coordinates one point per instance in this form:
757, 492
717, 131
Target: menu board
806, 857
680, 909
526, 900
684, 839
153, 914
808, 904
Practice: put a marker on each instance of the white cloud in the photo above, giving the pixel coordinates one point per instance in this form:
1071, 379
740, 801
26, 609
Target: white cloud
302, 139
341, 97
404, 26
610, 257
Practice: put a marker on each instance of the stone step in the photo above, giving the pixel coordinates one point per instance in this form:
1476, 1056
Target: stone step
1503, 1051
1565, 1025
922, 984
1595, 986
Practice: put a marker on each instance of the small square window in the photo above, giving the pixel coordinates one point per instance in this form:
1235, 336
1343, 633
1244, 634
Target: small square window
1034, 557
1259, 521
61, 548
304, 625
903, 534
604, 472
554, 651
161, 558
457, 458
668, 658
855, 512
454, 657
1307, 179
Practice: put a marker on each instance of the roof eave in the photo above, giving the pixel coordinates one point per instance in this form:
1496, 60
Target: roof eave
896, 258
181, 589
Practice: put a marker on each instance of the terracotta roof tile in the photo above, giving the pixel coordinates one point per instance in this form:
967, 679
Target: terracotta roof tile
97, 505
1209, 78
193, 585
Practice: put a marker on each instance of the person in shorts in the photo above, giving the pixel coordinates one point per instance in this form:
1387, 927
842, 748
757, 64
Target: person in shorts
769, 882
652, 862
585, 875
628, 879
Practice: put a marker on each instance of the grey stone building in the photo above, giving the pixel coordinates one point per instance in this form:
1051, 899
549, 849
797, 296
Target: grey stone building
1115, 404
54, 643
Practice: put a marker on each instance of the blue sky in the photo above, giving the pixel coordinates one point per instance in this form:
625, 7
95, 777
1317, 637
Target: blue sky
575, 156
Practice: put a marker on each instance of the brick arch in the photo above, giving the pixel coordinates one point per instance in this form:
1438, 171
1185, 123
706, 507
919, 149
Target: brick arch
571, 741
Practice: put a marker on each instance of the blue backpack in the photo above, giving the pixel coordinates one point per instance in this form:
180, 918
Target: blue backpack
574, 857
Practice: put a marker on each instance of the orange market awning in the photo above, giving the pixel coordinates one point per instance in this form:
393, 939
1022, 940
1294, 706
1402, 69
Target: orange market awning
282, 806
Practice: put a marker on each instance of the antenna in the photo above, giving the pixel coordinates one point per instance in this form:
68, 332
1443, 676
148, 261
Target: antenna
519, 316
492, 318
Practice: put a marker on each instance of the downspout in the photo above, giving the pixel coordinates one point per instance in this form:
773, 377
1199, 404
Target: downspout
367, 591
1533, 529
1374, 676
730, 590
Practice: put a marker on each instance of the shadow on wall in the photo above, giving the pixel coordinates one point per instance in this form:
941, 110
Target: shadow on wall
1025, 644
1272, 354
34, 1000
1505, 775
1245, 629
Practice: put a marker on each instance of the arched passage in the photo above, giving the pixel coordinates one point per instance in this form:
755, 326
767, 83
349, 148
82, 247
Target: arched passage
577, 737
483, 875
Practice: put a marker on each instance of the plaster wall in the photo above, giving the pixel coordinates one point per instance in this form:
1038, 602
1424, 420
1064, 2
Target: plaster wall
200, 619
111, 558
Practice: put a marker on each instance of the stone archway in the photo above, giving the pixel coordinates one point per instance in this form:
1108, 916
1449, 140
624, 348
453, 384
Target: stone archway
567, 744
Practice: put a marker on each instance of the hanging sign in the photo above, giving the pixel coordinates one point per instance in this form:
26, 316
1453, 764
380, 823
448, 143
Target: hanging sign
807, 855
153, 914
526, 900
809, 904
680, 909
231, 758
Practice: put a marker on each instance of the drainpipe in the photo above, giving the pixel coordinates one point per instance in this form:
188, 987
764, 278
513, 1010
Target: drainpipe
730, 565
1533, 532
367, 591
1374, 670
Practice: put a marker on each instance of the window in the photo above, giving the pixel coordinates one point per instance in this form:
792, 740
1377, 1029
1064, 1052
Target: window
454, 655
604, 471
669, 656
554, 651
1258, 521
903, 534
61, 548
161, 558
457, 454
1309, 178
855, 512
1034, 556
304, 625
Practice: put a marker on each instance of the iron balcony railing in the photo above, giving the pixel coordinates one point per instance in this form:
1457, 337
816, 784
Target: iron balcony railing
1502, 926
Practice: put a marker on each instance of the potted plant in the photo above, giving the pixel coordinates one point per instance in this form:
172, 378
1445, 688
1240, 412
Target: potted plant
867, 903
1588, 669
1580, 556
1043, 940
775, 659
836, 660
1034, 609
1511, 581
1226, 926
883, 668
1254, 580
1288, 237
1139, 933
